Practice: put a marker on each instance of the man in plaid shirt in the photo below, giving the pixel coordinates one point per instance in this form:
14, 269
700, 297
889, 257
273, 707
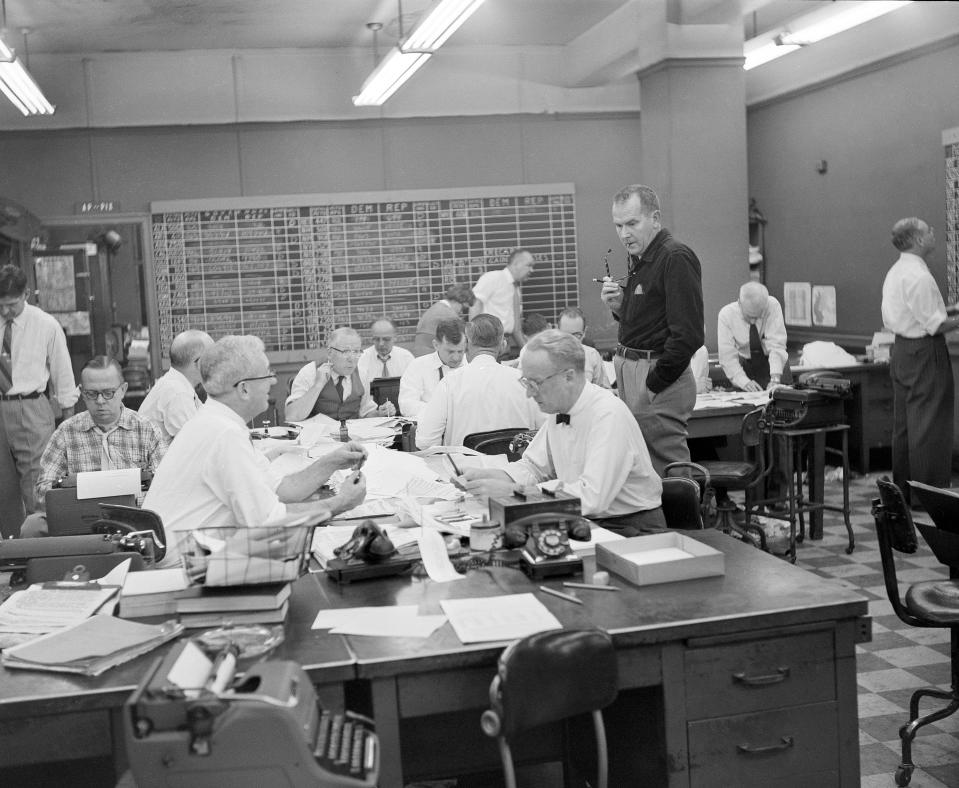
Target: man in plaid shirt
107, 436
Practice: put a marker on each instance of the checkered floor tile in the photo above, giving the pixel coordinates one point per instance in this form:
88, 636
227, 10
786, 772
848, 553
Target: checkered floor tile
900, 658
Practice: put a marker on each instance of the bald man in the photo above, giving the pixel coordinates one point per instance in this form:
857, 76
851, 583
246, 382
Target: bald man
172, 401
751, 336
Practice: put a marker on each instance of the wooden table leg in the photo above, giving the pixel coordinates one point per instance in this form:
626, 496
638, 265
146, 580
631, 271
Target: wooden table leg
387, 715
816, 477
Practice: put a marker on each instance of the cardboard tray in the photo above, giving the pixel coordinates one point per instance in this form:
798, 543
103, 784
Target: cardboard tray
656, 558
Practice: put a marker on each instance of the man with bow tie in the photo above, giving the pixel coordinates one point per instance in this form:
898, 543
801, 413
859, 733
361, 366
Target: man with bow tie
592, 444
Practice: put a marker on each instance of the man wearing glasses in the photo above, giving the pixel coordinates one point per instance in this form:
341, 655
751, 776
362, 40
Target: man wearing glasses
172, 401
573, 321
34, 354
213, 476
592, 445
334, 388
106, 436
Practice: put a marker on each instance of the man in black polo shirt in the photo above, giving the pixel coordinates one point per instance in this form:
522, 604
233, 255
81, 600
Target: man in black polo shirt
659, 308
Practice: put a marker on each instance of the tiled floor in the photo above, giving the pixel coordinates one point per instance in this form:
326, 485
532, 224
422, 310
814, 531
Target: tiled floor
900, 658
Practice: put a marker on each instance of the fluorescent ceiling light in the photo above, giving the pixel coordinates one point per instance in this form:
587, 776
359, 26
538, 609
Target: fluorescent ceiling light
442, 20
813, 27
18, 86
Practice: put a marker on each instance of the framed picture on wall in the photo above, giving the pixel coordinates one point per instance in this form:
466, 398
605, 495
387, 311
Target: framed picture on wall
824, 305
797, 306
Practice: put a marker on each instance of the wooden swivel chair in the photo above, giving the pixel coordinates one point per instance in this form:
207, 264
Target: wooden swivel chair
930, 603
499, 442
682, 503
540, 680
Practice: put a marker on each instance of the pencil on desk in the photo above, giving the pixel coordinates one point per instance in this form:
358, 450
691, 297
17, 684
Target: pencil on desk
561, 595
453, 463
590, 586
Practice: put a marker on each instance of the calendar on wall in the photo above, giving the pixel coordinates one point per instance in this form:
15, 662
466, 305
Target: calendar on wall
291, 268
950, 142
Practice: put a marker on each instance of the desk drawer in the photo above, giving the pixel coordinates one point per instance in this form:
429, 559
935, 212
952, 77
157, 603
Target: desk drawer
760, 674
789, 747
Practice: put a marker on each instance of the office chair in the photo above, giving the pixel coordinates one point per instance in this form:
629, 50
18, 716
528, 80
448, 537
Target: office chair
131, 519
382, 389
930, 603
746, 474
682, 503
498, 442
548, 677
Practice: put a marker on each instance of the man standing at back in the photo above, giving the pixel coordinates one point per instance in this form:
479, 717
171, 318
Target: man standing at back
498, 293
913, 309
172, 401
659, 308
33, 354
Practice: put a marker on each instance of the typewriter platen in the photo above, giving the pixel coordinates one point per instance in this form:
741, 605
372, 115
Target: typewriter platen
264, 728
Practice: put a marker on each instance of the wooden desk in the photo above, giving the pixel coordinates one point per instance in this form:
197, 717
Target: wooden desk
714, 422
766, 651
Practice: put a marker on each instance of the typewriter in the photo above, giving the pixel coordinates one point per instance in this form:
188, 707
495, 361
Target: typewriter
815, 401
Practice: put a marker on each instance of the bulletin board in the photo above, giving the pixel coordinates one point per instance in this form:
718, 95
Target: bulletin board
291, 268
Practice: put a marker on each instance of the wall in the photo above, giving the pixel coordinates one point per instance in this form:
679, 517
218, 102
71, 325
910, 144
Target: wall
880, 133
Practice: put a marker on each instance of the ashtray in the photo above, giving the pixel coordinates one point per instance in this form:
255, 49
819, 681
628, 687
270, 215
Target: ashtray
252, 641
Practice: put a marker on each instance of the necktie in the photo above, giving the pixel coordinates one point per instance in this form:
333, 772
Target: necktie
386, 369
339, 387
517, 305
441, 371
562, 418
6, 359
755, 343
107, 459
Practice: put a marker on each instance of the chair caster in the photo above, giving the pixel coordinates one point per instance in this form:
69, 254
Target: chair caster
904, 774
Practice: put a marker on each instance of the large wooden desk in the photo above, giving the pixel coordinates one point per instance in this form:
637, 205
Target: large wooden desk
765, 652
715, 422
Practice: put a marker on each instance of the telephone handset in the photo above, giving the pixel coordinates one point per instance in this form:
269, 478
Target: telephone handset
368, 543
544, 538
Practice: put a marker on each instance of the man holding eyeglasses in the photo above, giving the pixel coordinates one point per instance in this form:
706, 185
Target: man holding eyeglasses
214, 477
592, 444
106, 436
334, 387
33, 354
172, 401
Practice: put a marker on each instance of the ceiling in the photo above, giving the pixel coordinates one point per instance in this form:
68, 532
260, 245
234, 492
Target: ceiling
92, 26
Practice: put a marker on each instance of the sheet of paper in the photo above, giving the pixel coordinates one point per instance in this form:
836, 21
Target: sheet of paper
191, 670
326, 619
118, 575
413, 627
41, 608
103, 484
435, 558
155, 581
486, 619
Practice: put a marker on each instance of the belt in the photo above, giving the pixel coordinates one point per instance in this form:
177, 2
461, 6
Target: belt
633, 354
31, 395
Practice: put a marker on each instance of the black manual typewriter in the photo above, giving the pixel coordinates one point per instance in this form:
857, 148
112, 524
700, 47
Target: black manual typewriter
815, 401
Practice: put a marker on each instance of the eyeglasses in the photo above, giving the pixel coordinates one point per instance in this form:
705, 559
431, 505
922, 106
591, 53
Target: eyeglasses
91, 396
533, 385
353, 353
268, 376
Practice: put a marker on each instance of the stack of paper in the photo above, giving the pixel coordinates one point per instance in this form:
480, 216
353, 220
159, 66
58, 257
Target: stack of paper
44, 607
151, 593
90, 647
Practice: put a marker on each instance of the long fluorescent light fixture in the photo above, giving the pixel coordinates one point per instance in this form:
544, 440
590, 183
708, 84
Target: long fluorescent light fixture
813, 27
442, 20
18, 86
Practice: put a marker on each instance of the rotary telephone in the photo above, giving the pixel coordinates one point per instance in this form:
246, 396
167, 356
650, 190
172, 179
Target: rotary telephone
544, 539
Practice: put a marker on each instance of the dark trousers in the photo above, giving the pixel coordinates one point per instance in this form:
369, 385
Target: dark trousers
922, 432
25, 427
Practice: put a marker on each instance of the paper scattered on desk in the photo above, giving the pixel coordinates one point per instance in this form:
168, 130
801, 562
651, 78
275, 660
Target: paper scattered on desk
494, 618
45, 607
391, 621
435, 558
727, 399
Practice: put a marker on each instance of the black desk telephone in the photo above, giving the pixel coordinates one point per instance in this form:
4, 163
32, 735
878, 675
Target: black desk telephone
544, 538
368, 553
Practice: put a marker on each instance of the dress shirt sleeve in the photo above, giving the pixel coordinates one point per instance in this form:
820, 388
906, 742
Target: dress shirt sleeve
484, 287
53, 464
367, 403
180, 408
243, 482
305, 379
534, 466
411, 391
433, 417
728, 354
158, 447
610, 456
774, 338
363, 366
684, 317
924, 300
61, 369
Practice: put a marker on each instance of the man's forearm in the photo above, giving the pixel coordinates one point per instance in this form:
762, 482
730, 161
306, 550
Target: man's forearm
299, 409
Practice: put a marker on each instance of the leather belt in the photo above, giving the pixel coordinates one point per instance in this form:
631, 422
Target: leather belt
31, 395
634, 354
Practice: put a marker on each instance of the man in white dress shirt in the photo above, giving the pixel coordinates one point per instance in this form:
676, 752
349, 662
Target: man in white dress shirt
213, 477
573, 321
592, 444
498, 293
425, 373
384, 358
485, 395
922, 387
334, 388
172, 401
33, 354
751, 339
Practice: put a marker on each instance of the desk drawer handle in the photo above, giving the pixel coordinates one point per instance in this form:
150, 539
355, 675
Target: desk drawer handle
747, 749
758, 681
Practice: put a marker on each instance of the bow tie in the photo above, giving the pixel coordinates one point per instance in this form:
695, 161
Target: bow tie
562, 418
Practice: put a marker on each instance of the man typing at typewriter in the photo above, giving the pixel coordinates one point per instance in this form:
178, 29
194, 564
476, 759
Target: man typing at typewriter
106, 436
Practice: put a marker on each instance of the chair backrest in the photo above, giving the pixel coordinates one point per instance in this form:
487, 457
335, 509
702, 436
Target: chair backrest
495, 442
895, 530
943, 507
701, 476
128, 519
753, 427
382, 389
682, 504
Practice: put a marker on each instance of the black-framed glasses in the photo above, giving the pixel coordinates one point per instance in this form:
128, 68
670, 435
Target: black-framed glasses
267, 376
91, 395
347, 352
533, 385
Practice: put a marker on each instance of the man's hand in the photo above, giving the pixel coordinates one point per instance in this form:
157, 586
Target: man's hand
774, 383
386, 409
487, 481
612, 293
352, 493
752, 385
349, 455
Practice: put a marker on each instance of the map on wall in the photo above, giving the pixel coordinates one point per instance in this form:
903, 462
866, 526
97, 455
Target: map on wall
291, 268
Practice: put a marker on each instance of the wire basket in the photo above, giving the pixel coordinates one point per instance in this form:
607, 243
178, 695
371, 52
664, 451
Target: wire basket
245, 556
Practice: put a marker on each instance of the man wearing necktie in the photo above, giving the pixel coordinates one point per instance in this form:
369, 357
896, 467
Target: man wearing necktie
106, 436
424, 374
499, 293
172, 401
592, 444
751, 338
384, 358
33, 358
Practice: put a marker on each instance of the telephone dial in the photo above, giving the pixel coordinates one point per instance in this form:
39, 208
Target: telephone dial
544, 539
